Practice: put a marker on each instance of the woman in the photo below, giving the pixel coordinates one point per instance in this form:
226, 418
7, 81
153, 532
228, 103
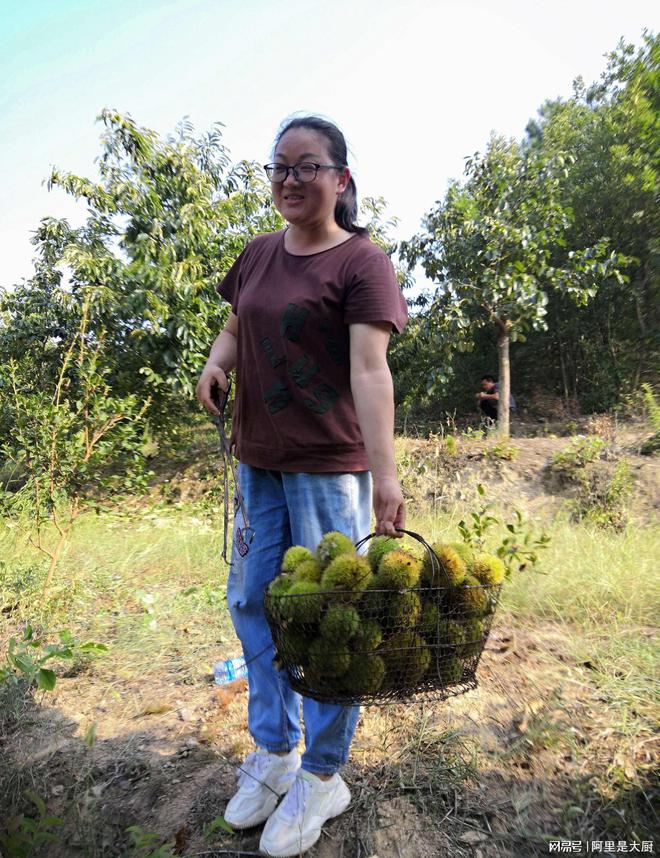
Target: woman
312, 311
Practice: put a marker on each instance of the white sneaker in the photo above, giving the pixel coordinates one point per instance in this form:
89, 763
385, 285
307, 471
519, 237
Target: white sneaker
296, 824
262, 779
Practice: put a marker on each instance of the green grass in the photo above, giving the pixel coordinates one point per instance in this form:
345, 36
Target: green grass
151, 586
602, 588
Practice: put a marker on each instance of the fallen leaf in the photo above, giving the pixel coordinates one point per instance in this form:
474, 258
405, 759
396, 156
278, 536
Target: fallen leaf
224, 695
153, 707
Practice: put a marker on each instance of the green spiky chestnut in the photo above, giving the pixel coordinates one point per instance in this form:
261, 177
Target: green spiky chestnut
464, 552
347, 575
372, 601
399, 570
328, 661
368, 636
333, 545
364, 675
406, 658
308, 570
474, 637
294, 556
402, 610
428, 622
451, 669
378, 546
452, 564
295, 646
450, 633
474, 599
280, 585
488, 569
339, 623
302, 603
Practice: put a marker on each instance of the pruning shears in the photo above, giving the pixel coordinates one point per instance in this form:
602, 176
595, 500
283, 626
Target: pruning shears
220, 398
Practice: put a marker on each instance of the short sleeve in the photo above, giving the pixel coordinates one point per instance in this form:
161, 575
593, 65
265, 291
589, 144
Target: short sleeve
230, 287
373, 293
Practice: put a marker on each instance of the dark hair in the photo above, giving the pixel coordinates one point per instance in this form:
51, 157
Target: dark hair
346, 209
488, 378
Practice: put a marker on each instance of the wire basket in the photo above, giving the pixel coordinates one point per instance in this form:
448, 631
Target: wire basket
377, 646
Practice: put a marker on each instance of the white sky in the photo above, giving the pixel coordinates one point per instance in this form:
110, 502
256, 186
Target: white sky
415, 86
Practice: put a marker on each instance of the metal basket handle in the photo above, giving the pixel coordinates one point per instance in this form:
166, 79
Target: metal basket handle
437, 569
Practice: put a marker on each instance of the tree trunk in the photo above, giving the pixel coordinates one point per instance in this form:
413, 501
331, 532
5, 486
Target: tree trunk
504, 379
564, 376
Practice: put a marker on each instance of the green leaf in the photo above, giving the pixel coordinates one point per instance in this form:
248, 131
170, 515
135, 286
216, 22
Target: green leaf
218, 823
46, 679
36, 800
91, 646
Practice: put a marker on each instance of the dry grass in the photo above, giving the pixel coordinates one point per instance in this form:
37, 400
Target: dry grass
557, 741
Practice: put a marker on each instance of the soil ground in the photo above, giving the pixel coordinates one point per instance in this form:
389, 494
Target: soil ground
499, 771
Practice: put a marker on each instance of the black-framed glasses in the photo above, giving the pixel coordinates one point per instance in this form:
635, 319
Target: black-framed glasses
304, 172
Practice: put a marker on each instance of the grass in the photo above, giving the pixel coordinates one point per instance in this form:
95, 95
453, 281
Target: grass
150, 584
601, 587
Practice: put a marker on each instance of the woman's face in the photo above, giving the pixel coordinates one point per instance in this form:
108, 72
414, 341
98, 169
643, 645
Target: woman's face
307, 203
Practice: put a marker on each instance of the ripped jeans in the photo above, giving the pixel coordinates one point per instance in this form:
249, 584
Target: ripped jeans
287, 509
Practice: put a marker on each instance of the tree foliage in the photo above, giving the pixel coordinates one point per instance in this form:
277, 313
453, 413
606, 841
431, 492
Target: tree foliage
165, 220
555, 240
104, 343
496, 246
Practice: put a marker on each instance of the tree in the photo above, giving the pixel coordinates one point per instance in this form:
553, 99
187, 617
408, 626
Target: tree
67, 440
611, 187
491, 248
164, 222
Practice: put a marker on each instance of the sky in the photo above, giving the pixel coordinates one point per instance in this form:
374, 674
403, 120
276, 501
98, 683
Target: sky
416, 86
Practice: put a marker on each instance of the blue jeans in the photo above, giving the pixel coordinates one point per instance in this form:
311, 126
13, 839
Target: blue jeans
287, 509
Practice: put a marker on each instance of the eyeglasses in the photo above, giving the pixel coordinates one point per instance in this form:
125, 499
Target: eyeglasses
303, 172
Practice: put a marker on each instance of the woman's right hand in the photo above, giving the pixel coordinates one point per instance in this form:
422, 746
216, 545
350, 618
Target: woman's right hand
211, 376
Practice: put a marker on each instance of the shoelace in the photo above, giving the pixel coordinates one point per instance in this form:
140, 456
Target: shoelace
294, 802
255, 767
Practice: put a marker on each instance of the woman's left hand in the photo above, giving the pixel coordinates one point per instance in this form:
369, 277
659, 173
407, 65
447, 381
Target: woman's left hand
389, 506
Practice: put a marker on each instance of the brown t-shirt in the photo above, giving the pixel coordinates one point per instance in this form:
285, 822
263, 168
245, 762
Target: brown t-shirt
294, 410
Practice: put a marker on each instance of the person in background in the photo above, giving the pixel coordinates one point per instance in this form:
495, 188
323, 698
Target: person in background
312, 309
489, 395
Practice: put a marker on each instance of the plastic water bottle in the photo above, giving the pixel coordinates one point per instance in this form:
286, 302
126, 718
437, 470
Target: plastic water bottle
229, 670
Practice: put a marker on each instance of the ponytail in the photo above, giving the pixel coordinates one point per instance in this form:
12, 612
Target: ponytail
346, 210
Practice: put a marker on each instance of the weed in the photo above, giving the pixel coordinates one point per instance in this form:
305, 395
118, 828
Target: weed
652, 445
473, 531
26, 658
145, 845
472, 434
19, 583
219, 823
582, 450
24, 834
652, 406
501, 451
519, 547
603, 500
